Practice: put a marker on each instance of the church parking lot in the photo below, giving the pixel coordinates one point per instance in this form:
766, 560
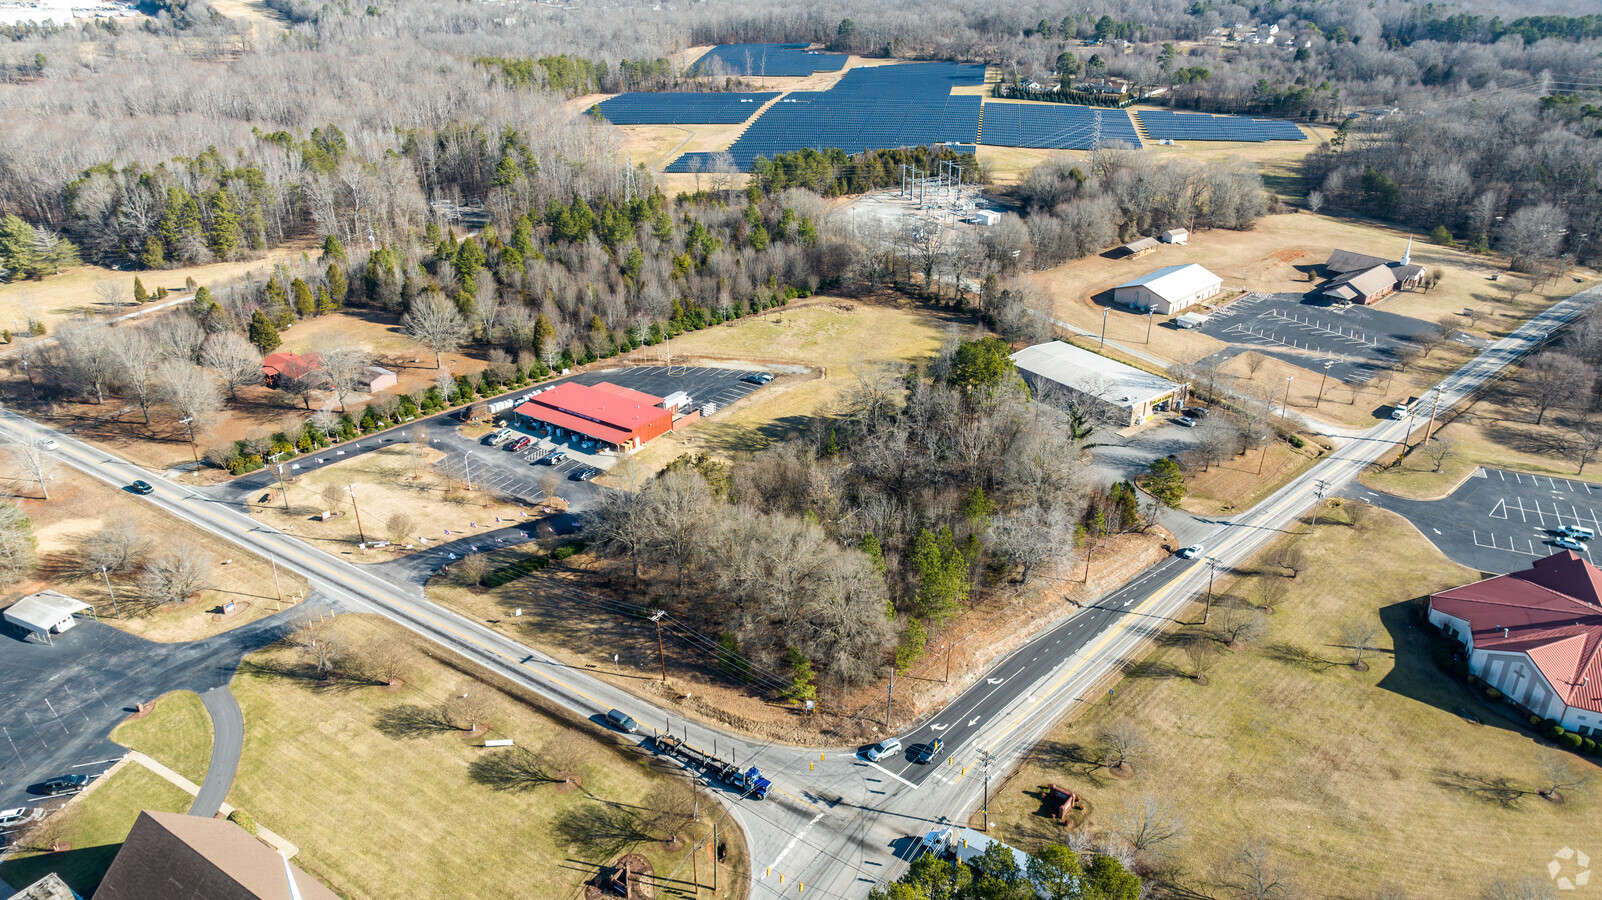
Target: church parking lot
1498, 520
1360, 340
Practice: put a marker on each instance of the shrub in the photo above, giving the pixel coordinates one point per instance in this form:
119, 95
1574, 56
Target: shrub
563, 552
1591, 747
243, 820
1296, 441
1493, 694
1549, 723
1556, 732
1535, 721
1571, 740
1474, 679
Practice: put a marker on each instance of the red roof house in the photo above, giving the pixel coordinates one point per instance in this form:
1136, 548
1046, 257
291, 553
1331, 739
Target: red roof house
1536, 636
606, 412
284, 364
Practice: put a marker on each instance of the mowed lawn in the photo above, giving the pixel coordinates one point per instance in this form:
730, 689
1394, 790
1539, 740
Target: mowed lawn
94, 828
382, 813
838, 340
177, 734
1356, 781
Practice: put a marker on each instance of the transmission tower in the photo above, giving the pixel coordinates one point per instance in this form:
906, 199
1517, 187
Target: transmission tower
1095, 132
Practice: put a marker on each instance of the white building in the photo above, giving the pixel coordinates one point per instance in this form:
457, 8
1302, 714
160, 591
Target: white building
1123, 394
1536, 636
1169, 289
46, 613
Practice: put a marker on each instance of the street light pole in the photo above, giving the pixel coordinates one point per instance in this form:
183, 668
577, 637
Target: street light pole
1148, 323
1104, 314
351, 489
985, 755
283, 489
279, 591
1321, 381
110, 592
1283, 407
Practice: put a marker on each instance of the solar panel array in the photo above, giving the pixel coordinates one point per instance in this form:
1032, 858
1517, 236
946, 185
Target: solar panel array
682, 109
778, 60
871, 108
1163, 124
1054, 126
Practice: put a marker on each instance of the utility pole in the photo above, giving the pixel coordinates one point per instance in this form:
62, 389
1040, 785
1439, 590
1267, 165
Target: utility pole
109, 591
1318, 497
351, 489
1283, 407
890, 697
985, 756
1149, 313
1207, 612
949, 645
190, 421
660, 655
1428, 429
276, 589
283, 489
1088, 550
1327, 364
1104, 314
29, 372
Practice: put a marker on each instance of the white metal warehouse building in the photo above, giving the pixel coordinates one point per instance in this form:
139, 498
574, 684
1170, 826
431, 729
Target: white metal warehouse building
1124, 394
1169, 289
46, 613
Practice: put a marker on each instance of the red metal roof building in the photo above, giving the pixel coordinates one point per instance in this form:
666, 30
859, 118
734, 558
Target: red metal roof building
606, 412
285, 364
1536, 636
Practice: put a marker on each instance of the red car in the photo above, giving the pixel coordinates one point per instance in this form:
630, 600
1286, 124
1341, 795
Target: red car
519, 444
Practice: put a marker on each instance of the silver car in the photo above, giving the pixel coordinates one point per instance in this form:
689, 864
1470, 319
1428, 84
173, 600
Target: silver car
882, 749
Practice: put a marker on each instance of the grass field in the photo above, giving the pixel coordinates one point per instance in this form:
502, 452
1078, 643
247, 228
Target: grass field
410, 822
1357, 782
177, 734
385, 487
1236, 483
79, 506
835, 339
94, 827
75, 292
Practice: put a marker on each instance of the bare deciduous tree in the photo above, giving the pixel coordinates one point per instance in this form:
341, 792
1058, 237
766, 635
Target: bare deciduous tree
471, 569
1253, 875
383, 661
1201, 650
118, 547
1032, 535
1584, 443
17, 545
435, 323
399, 527
1554, 379
321, 644
1560, 778
344, 365
469, 709
175, 573
1148, 824
1239, 625
1360, 637
1122, 745
233, 358
35, 461
1440, 449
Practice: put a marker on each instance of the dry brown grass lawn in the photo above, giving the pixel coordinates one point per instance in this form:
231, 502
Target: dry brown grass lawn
1497, 430
389, 482
834, 339
1356, 781
73, 293
79, 506
410, 821
1274, 256
1236, 484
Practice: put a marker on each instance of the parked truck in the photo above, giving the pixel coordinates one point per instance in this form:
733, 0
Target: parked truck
749, 781
1404, 408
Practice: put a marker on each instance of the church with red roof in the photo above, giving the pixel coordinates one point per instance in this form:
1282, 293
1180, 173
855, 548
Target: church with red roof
1536, 636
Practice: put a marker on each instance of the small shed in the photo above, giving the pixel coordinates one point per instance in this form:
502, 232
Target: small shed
1191, 320
1175, 236
986, 217
675, 401
376, 379
46, 613
1140, 248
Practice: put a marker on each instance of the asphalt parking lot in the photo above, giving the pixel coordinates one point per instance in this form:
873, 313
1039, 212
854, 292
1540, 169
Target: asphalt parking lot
63, 699
1361, 340
1498, 520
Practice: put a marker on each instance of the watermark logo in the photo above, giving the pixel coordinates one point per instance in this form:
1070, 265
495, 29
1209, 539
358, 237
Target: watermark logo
1562, 862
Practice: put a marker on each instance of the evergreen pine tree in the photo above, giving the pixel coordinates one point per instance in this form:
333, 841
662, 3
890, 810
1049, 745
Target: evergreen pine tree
305, 305
333, 249
263, 333
140, 294
225, 225
153, 256
336, 283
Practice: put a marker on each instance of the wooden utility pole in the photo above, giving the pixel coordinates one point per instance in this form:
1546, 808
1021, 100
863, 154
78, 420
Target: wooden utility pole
660, 655
890, 698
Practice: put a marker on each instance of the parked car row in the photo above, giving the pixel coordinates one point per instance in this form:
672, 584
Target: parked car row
1571, 537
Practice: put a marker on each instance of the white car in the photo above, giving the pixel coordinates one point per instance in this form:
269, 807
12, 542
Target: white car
10, 818
48, 444
1568, 544
882, 749
1191, 552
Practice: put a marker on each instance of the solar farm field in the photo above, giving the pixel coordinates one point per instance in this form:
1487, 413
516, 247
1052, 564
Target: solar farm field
1167, 125
648, 108
1054, 126
871, 108
775, 60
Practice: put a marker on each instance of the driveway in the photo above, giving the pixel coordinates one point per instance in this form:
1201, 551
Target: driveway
1116, 458
1498, 520
62, 700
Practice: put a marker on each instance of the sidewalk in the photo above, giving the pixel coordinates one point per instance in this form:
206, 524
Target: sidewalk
189, 787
